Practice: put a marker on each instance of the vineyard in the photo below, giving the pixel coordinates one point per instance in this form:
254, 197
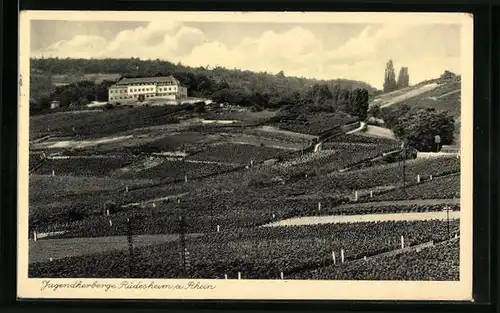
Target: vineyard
440, 188
232, 185
259, 254
436, 263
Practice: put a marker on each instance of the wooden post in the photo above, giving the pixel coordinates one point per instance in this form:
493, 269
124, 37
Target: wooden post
282, 276
371, 193
342, 255
319, 206
333, 257
218, 228
355, 196
402, 242
239, 275
110, 223
225, 276
53, 173
418, 179
34, 236
107, 212
185, 178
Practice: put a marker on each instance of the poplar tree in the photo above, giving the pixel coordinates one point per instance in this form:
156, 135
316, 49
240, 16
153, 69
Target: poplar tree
403, 78
390, 77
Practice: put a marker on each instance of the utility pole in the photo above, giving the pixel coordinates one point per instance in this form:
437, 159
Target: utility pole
130, 248
403, 146
182, 224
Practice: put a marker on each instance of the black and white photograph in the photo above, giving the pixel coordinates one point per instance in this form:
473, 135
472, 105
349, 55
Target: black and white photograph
245, 155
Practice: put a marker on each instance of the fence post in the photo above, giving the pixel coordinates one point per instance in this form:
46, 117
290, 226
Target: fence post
110, 223
218, 228
364, 258
274, 216
371, 193
418, 179
34, 236
239, 275
53, 173
282, 276
185, 178
333, 257
342, 255
402, 242
225, 276
356, 196
319, 206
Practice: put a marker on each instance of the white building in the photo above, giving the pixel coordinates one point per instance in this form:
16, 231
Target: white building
146, 88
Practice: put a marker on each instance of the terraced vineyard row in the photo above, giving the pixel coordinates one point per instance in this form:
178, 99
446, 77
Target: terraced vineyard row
437, 263
260, 254
97, 167
440, 188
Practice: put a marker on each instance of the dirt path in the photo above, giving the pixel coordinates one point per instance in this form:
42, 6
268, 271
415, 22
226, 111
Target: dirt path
334, 219
43, 250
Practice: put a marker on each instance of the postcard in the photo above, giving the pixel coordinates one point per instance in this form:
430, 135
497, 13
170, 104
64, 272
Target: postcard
245, 155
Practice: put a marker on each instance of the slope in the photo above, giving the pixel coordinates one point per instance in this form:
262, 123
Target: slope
442, 94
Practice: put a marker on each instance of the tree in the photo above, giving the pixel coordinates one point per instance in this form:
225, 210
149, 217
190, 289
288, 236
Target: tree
403, 78
320, 93
419, 127
374, 111
358, 104
389, 77
448, 75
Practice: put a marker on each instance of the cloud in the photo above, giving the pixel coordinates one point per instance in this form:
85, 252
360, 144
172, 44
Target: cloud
427, 50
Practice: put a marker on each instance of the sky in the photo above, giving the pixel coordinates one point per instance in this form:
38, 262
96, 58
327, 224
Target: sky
322, 50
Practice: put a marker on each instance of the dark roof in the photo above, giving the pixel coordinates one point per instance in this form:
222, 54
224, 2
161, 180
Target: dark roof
142, 80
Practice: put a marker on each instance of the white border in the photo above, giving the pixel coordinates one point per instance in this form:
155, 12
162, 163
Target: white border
258, 289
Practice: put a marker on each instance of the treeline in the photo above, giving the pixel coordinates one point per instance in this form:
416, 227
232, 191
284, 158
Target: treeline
189, 76
244, 88
321, 98
76, 94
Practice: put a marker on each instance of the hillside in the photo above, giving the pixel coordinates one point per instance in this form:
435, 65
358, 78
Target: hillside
442, 94
48, 73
